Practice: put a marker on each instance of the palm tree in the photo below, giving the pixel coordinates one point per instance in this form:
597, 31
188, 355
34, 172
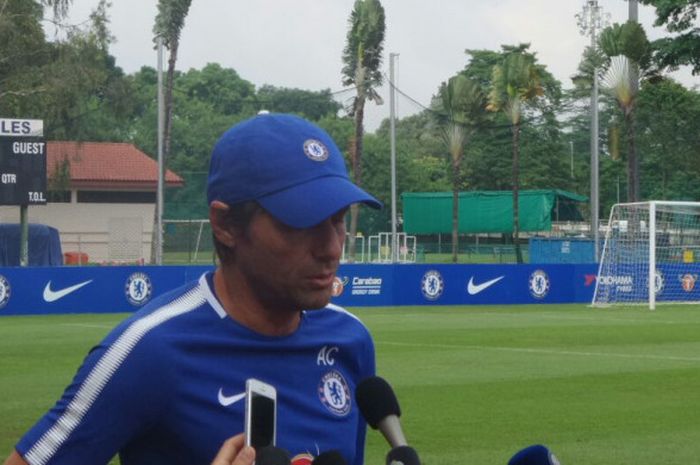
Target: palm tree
628, 49
169, 23
362, 58
515, 82
60, 7
461, 104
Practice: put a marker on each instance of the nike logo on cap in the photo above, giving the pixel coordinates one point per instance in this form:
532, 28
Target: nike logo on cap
51, 295
229, 400
474, 289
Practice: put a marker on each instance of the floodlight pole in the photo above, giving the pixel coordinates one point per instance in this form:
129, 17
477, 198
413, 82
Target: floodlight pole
590, 20
159, 193
392, 132
595, 189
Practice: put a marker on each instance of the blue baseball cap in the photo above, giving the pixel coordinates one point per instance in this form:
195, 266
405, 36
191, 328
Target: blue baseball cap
290, 166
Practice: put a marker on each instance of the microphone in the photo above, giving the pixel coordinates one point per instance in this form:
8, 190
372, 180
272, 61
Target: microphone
380, 407
534, 455
331, 457
271, 455
402, 455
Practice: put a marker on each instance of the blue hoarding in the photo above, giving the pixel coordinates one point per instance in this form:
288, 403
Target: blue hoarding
45, 290
363, 285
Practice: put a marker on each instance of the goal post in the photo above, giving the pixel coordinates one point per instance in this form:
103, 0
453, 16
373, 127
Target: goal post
655, 242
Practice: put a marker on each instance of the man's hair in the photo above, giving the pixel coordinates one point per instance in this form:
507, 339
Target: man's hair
238, 216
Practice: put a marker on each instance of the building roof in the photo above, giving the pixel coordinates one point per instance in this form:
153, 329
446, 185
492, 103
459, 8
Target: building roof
107, 165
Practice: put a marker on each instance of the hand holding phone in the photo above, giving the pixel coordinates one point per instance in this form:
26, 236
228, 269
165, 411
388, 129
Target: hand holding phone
260, 414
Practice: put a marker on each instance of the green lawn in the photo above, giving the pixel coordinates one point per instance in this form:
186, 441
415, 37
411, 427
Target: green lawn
475, 383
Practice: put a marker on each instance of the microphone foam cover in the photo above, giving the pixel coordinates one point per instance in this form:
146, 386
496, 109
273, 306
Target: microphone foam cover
271, 455
376, 400
402, 455
331, 457
534, 455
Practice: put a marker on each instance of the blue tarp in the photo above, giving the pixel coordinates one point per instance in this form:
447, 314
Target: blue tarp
44, 245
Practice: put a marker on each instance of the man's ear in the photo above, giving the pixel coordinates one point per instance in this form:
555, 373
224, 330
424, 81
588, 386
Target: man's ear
218, 212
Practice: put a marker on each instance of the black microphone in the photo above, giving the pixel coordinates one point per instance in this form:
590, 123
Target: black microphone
331, 457
271, 455
534, 455
380, 407
402, 455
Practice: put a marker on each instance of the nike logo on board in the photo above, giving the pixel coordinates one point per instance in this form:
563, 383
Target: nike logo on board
229, 400
474, 289
51, 295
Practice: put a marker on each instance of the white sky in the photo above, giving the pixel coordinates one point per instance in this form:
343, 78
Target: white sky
298, 43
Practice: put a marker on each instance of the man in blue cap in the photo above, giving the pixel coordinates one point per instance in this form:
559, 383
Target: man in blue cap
166, 385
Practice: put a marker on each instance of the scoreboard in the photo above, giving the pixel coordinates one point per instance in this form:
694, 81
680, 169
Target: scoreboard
22, 162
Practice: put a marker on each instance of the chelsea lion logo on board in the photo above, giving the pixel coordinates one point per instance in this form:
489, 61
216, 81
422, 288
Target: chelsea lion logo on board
659, 282
334, 393
315, 150
138, 289
5, 291
539, 284
432, 285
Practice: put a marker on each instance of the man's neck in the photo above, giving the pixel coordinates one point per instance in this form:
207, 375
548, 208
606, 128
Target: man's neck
241, 304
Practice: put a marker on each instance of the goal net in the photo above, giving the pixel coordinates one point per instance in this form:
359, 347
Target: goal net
654, 242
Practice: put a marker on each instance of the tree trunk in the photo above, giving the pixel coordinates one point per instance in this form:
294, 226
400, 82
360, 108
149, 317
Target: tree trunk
632, 159
167, 129
516, 192
455, 208
168, 101
357, 175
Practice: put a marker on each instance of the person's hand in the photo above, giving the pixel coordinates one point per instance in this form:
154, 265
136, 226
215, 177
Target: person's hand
233, 452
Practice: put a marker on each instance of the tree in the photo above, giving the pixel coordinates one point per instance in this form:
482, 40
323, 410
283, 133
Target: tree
22, 47
515, 82
680, 18
461, 104
668, 118
626, 45
309, 104
169, 23
72, 83
362, 58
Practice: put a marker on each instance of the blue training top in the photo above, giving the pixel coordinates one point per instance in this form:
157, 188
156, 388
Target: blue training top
162, 387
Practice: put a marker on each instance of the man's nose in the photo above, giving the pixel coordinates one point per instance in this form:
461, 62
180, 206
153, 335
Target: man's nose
328, 240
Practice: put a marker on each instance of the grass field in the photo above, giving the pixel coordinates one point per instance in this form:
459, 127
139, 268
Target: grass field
476, 384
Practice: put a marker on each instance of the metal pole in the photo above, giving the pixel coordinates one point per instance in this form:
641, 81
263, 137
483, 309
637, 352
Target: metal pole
634, 89
392, 131
24, 235
652, 255
159, 194
595, 204
590, 20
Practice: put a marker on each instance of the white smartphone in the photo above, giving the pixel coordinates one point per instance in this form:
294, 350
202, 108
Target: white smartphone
260, 414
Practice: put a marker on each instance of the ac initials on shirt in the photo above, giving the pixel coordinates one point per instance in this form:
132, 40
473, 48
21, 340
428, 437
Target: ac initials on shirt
325, 356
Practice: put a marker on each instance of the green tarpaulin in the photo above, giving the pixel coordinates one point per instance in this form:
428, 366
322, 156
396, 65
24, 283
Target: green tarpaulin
488, 211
